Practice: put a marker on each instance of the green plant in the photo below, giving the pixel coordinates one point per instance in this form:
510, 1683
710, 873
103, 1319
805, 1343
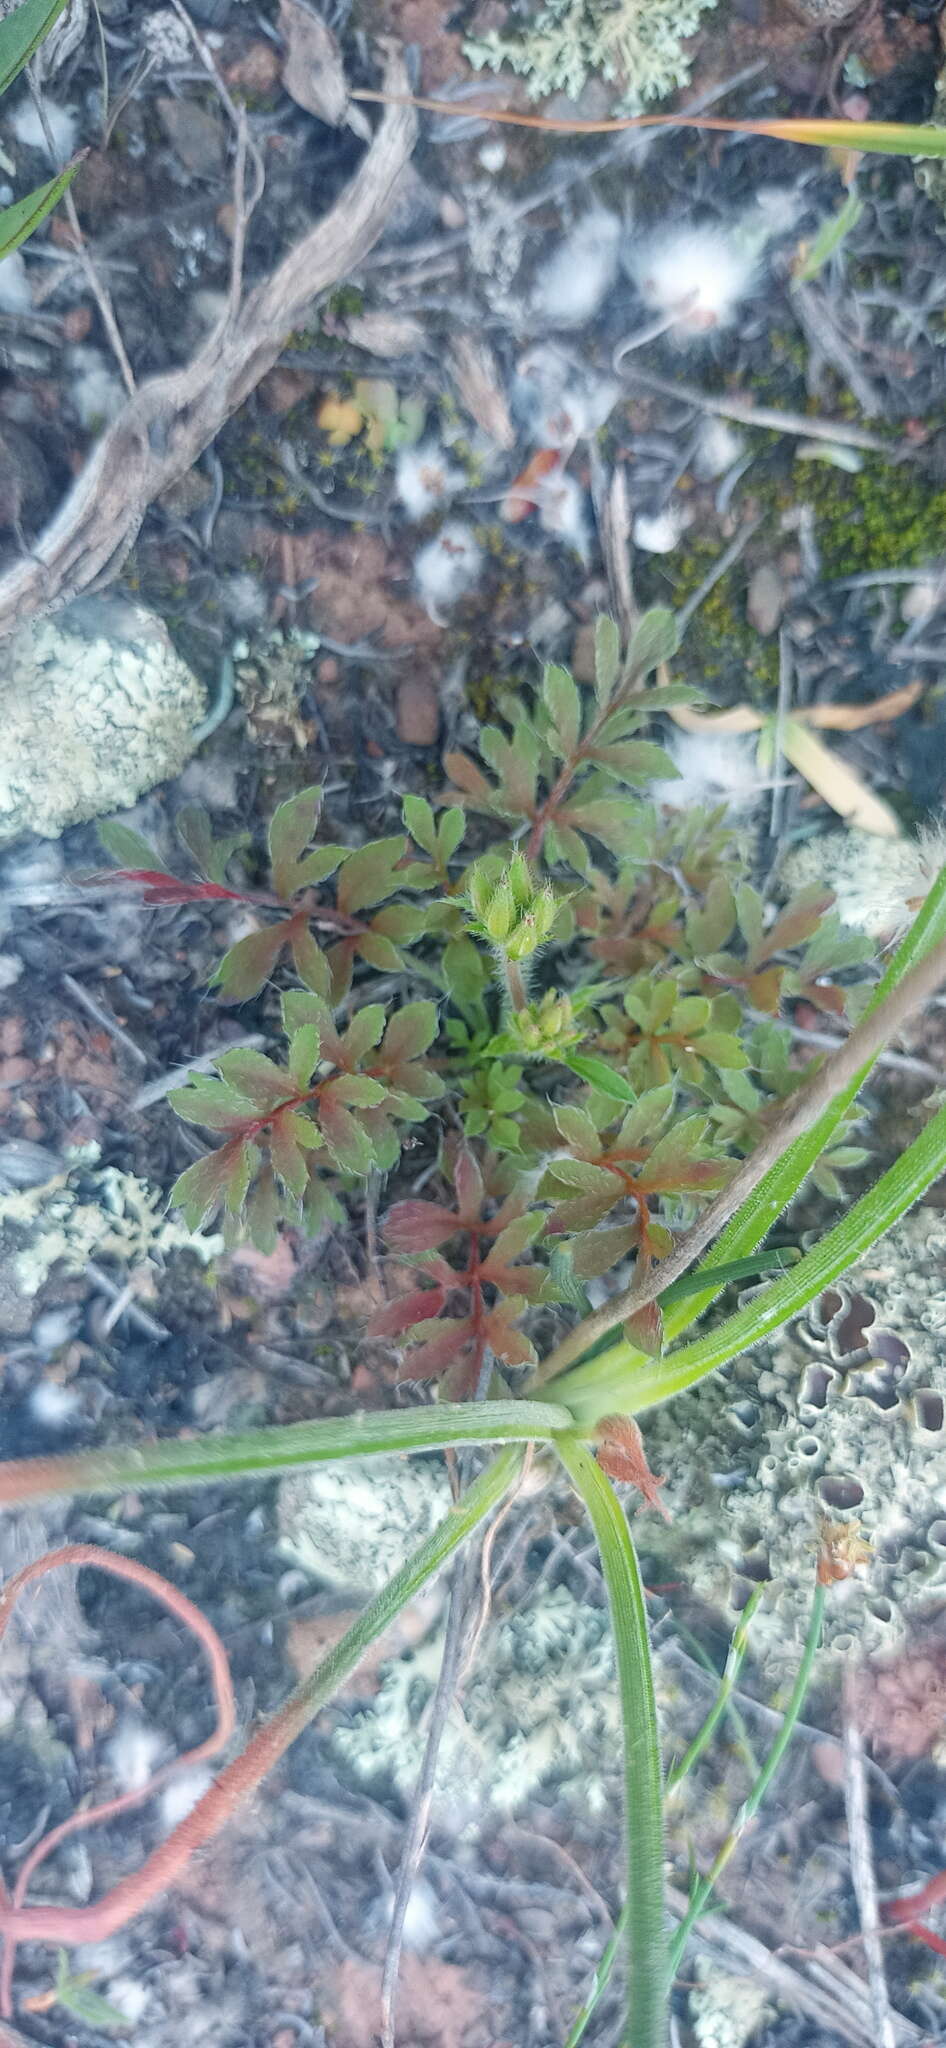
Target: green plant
21, 33
617, 981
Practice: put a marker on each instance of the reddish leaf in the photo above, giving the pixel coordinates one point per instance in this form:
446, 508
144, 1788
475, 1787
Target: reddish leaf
311, 964
509, 1344
419, 1226
434, 1356
645, 1328
410, 1031
398, 1316
161, 888
258, 1078
362, 1035
345, 1137
599, 1250
621, 1453
799, 921
468, 1181
469, 779
765, 989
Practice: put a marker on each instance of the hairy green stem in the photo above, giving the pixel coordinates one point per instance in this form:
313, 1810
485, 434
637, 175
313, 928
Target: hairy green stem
179, 1463
646, 1936
734, 1661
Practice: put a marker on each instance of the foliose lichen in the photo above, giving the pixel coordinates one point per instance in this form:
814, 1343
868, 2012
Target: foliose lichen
97, 707
539, 1706
85, 1212
727, 2011
354, 1524
877, 883
636, 44
839, 1418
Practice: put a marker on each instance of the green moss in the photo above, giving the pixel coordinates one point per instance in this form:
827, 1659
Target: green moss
883, 518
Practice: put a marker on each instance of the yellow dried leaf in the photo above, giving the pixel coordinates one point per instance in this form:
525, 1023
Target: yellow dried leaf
340, 419
836, 782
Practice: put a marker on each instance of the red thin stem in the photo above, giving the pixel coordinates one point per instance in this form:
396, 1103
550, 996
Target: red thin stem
19, 1922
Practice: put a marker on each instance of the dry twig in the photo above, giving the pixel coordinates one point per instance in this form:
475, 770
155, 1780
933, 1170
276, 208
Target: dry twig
173, 418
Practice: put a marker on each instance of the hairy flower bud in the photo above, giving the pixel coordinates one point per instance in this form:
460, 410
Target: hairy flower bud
510, 908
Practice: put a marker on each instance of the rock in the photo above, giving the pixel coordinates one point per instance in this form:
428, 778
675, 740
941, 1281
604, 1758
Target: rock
196, 135
97, 707
283, 388
418, 712
765, 602
255, 72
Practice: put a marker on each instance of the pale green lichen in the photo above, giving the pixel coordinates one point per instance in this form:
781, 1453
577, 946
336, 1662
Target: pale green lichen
97, 707
634, 44
354, 1525
878, 883
822, 1422
86, 1213
540, 1706
727, 2011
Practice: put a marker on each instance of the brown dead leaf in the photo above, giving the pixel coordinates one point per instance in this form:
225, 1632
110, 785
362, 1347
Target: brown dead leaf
854, 717
479, 387
837, 782
313, 73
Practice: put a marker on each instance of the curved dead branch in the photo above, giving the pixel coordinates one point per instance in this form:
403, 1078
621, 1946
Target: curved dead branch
173, 418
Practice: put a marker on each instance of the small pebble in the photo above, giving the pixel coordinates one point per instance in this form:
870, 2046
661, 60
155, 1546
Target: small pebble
418, 712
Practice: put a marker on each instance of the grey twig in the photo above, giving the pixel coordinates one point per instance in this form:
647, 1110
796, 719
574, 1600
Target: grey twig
750, 415
725, 561
460, 1592
863, 1876
155, 1091
103, 1017
97, 288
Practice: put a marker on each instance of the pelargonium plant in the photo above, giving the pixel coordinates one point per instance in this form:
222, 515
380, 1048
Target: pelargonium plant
569, 1006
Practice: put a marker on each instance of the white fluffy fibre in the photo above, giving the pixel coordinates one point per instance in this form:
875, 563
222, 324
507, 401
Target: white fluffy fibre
133, 1755
53, 1406
657, 533
424, 479
448, 567
697, 277
558, 403
97, 393
576, 278
129, 1997
718, 447
712, 767
28, 128
181, 1794
561, 504
15, 294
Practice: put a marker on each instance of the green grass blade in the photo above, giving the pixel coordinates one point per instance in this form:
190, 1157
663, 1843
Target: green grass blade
646, 1938
750, 1808
892, 1195
17, 222
703, 1736
186, 1463
22, 32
